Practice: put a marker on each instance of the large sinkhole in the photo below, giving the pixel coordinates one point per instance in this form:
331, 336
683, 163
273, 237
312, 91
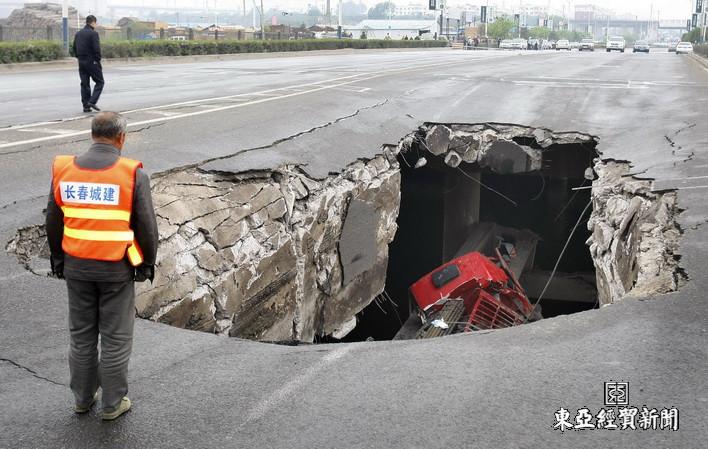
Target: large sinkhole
516, 189
277, 255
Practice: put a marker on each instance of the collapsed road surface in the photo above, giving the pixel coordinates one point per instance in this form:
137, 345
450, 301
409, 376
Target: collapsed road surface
486, 389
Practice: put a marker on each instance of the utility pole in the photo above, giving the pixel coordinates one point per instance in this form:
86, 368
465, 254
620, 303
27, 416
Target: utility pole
65, 25
262, 28
339, 19
705, 21
486, 21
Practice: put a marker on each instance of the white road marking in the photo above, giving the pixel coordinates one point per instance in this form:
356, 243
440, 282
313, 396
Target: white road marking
572, 84
231, 106
290, 387
162, 113
47, 131
689, 188
682, 179
353, 89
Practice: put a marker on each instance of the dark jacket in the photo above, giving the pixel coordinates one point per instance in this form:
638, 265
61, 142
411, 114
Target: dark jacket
86, 44
142, 222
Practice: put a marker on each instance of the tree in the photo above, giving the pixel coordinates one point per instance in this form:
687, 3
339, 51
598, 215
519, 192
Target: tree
382, 10
694, 35
500, 28
352, 8
539, 33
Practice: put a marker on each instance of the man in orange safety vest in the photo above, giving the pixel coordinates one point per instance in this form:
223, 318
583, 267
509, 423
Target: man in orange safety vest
103, 237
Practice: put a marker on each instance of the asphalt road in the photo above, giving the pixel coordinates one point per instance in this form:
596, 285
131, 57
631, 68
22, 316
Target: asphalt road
496, 389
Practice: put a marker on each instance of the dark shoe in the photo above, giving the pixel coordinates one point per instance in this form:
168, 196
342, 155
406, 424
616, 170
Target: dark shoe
87, 110
94, 107
123, 406
80, 409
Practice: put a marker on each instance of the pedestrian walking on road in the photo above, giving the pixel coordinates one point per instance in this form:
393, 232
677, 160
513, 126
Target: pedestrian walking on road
102, 235
87, 49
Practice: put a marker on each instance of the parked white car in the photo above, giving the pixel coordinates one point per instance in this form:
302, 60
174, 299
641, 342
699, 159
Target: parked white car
563, 44
684, 47
506, 43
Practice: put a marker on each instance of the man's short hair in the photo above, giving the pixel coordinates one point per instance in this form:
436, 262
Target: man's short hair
109, 125
90, 19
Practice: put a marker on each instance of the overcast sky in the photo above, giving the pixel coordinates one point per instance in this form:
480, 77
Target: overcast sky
668, 9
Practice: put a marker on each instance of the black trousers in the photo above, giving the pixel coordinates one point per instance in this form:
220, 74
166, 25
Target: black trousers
105, 309
90, 70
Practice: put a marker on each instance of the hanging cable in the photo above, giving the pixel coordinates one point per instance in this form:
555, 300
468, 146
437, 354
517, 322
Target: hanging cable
487, 187
567, 242
543, 187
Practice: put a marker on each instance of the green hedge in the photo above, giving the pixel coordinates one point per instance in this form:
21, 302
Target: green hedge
132, 49
701, 49
29, 51
46, 51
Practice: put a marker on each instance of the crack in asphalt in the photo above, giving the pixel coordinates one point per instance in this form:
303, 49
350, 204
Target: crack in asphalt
31, 371
273, 143
676, 147
301, 133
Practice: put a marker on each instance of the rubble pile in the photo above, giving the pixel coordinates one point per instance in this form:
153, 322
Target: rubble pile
39, 15
256, 255
635, 237
489, 145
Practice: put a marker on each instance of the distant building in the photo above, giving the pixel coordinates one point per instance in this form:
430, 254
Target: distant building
395, 29
411, 10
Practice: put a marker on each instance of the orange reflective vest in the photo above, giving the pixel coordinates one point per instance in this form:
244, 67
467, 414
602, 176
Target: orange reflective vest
97, 205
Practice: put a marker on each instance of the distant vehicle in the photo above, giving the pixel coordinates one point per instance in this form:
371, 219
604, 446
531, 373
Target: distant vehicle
575, 45
519, 44
641, 46
587, 44
672, 46
684, 47
563, 44
615, 43
506, 43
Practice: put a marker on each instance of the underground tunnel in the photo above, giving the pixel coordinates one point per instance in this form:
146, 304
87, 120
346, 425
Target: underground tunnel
280, 256
446, 211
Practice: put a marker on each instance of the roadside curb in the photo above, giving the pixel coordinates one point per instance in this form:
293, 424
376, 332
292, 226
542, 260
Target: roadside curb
67, 63
700, 59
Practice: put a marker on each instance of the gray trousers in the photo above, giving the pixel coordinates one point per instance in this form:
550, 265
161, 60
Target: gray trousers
106, 309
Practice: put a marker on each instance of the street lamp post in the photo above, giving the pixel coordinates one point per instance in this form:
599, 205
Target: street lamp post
65, 25
486, 21
262, 29
705, 21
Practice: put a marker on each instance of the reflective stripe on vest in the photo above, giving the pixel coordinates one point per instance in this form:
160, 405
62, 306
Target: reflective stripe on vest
97, 206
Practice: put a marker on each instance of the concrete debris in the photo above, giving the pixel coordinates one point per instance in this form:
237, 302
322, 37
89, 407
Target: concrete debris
493, 146
635, 238
257, 258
